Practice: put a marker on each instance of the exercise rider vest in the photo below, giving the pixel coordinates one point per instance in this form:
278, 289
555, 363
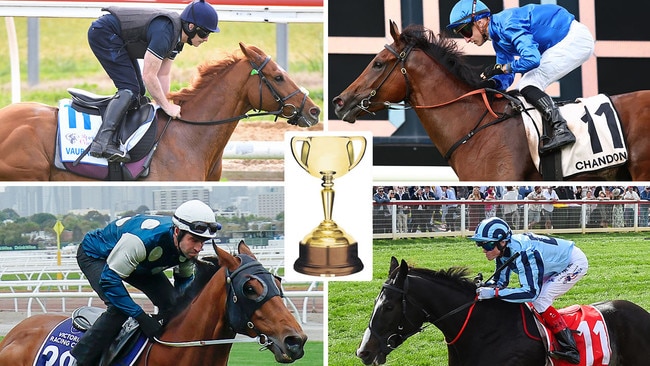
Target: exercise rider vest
134, 23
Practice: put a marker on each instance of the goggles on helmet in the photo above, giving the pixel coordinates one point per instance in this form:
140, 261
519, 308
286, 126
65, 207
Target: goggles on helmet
200, 226
465, 30
202, 33
486, 245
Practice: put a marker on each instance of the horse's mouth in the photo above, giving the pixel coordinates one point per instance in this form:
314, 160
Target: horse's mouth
290, 350
372, 359
347, 112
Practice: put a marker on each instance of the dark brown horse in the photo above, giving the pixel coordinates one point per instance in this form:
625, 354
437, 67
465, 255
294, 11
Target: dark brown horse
484, 333
224, 89
430, 73
204, 318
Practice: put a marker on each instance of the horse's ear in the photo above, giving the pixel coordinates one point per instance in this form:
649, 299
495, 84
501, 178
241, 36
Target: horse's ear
242, 248
401, 274
251, 52
393, 264
394, 31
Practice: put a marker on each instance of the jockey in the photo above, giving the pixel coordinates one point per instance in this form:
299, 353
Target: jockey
137, 250
123, 36
547, 268
548, 41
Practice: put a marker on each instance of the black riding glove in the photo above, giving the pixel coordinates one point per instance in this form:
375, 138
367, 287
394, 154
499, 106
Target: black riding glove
496, 69
489, 83
149, 326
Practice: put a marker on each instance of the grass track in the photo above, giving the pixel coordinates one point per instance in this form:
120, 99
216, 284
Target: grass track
619, 268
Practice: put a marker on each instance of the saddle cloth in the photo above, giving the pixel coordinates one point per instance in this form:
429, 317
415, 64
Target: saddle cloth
590, 333
599, 137
77, 130
56, 348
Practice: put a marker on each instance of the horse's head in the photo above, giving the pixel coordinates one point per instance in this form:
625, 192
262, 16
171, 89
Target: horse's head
394, 318
255, 306
378, 83
273, 90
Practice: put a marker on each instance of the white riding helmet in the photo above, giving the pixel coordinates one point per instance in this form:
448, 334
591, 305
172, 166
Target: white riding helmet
196, 218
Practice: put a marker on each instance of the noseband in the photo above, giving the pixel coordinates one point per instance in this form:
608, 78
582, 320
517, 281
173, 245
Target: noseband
365, 103
292, 118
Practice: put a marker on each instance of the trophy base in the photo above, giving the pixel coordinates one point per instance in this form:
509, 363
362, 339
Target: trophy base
328, 251
328, 262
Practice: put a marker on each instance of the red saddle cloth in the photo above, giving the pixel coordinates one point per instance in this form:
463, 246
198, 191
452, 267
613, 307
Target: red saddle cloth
590, 333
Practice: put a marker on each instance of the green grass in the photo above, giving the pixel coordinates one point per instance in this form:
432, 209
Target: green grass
619, 268
67, 61
244, 354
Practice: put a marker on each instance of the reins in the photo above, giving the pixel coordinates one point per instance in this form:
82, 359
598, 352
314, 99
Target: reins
365, 103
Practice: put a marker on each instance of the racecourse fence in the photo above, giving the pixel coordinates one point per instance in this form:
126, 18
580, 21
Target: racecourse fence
32, 281
412, 219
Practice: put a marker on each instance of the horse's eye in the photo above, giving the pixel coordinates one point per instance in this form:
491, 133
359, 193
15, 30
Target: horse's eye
389, 307
279, 78
249, 290
377, 65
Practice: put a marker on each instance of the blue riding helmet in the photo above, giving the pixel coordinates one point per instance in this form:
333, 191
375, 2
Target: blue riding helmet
467, 11
201, 14
492, 229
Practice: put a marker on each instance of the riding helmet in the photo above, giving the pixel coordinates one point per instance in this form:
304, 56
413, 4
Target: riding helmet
467, 11
201, 14
195, 214
492, 229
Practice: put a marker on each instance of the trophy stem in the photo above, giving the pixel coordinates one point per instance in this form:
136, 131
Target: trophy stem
327, 194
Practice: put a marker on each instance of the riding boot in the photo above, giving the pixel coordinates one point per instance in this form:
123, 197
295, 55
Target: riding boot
567, 348
551, 114
103, 145
92, 344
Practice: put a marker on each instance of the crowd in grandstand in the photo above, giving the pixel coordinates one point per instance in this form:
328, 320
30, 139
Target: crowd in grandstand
419, 217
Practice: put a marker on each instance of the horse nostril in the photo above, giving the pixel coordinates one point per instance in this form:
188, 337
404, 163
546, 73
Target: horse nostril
314, 112
338, 102
294, 346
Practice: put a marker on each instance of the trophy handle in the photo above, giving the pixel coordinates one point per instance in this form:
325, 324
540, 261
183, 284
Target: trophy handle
304, 152
363, 149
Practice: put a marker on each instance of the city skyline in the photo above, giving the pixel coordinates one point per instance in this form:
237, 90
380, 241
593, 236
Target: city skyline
58, 200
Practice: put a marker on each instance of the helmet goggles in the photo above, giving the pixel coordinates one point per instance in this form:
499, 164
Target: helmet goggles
200, 226
202, 33
487, 245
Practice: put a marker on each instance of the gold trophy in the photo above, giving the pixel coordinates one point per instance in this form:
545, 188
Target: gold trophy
328, 250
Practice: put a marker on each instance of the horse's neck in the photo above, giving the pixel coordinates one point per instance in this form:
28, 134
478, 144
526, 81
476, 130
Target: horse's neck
439, 298
204, 319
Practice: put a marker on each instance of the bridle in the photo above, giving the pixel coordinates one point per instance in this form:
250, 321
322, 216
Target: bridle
365, 103
239, 308
399, 335
401, 57
292, 117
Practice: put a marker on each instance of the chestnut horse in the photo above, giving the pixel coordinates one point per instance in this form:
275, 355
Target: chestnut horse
204, 318
485, 333
432, 80
223, 93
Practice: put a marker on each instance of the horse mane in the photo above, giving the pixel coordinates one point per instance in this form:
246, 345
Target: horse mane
204, 269
457, 275
442, 49
207, 73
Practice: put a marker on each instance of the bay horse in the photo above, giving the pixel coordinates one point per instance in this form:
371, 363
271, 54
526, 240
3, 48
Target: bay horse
223, 93
434, 78
490, 332
205, 317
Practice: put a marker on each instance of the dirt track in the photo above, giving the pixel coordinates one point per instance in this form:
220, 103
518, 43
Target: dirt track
253, 169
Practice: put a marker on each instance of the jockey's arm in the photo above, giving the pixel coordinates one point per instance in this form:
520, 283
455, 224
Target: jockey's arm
155, 75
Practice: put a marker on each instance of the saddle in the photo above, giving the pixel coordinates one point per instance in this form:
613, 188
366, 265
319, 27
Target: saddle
128, 343
79, 120
589, 331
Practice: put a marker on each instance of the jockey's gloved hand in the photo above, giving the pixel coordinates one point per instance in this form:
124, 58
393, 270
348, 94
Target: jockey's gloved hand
489, 83
496, 69
149, 326
485, 293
